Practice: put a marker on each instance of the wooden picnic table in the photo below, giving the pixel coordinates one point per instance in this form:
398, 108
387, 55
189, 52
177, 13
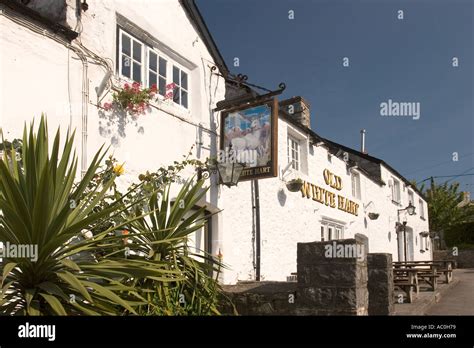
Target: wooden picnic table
443, 267
407, 280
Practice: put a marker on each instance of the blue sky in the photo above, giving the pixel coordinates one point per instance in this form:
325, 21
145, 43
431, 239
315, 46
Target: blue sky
407, 60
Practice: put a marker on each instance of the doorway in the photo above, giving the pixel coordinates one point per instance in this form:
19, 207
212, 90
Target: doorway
410, 248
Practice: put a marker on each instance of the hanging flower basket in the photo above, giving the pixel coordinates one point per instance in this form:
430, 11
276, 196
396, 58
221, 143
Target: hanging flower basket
373, 216
294, 185
132, 99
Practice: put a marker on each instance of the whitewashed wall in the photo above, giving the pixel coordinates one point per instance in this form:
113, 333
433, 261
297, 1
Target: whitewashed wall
287, 218
39, 75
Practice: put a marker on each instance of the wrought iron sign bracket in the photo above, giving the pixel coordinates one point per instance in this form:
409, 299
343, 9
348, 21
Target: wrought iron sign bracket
227, 104
241, 80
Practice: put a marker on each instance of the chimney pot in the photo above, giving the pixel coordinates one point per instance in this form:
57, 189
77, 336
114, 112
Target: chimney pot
362, 141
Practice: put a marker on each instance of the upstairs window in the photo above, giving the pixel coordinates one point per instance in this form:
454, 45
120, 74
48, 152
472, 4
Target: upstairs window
157, 71
410, 198
355, 180
294, 153
396, 191
422, 209
180, 90
131, 57
144, 64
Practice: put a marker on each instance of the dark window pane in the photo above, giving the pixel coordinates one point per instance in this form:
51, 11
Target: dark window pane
184, 80
151, 79
126, 45
125, 66
176, 96
153, 61
137, 72
176, 75
184, 99
162, 86
162, 67
137, 51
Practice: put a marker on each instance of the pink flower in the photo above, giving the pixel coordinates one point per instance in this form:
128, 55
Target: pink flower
126, 86
107, 106
170, 85
136, 87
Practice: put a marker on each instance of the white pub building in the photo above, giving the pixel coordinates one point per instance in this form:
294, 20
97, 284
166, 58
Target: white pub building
65, 58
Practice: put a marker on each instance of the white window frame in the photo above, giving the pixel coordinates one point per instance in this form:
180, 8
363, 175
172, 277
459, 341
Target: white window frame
181, 89
143, 62
396, 191
411, 197
157, 72
145, 68
422, 208
294, 147
355, 184
337, 231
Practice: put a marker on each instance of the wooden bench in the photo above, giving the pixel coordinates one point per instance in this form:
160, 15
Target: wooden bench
444, 267
406, 280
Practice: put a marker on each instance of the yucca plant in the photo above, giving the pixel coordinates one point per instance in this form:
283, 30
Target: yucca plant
41, 206
163, 237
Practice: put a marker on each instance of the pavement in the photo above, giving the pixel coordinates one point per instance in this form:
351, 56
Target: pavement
459, 299
455, 298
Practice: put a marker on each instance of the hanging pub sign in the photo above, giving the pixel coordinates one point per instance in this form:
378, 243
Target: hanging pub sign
249, 136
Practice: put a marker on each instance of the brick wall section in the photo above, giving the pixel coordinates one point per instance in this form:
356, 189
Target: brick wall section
380, 284
331, 285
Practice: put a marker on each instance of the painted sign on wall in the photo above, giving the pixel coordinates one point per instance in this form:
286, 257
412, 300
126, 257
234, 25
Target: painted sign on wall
326, 197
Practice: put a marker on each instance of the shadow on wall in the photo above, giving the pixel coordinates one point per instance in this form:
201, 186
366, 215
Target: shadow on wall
281, 197
112, 124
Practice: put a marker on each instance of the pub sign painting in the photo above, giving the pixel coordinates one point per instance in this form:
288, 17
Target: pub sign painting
249, 135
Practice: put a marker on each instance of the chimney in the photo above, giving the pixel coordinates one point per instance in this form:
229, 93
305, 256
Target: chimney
362, 141
298, 109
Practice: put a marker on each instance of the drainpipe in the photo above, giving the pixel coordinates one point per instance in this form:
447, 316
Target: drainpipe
85, 101
257, 229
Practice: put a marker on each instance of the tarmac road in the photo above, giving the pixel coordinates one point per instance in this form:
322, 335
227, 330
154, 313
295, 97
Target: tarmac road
458, 300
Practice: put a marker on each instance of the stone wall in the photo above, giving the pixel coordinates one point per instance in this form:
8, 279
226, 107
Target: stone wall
328, 284
261, 298
332, 284
380, 284
464, 259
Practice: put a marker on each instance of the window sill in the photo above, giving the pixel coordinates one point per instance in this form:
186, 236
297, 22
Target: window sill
169, 107
396, 203
422, 218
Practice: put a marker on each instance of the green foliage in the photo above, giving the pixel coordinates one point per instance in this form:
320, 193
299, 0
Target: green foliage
77, 272
444, 210
460, 235
163, 236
